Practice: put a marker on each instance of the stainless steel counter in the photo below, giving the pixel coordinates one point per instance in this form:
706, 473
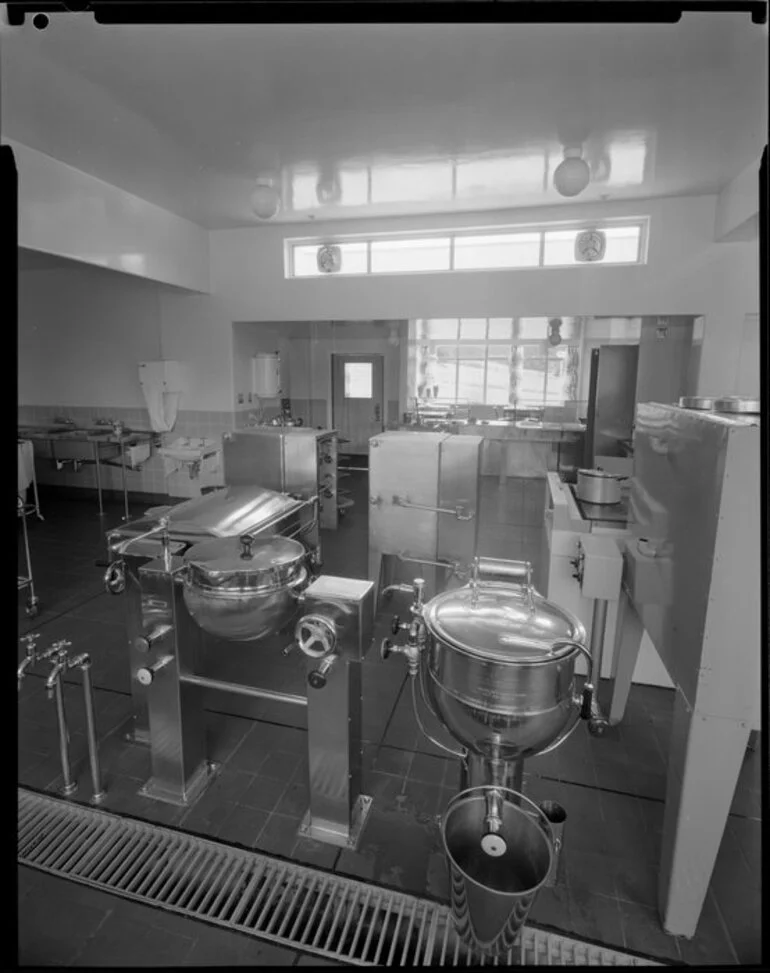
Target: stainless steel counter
99, 439
529, 449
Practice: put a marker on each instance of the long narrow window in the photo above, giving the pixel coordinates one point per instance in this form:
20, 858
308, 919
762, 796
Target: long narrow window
493, 248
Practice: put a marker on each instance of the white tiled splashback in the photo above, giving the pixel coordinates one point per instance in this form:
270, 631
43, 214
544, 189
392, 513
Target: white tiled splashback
151, 477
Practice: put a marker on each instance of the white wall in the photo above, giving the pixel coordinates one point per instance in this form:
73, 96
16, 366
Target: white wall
687, 273
71, 214
83, 331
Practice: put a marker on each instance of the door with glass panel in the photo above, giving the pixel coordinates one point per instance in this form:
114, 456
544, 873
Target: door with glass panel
357, 399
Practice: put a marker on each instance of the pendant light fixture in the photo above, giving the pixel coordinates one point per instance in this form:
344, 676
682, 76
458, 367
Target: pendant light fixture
554, 332
572, 175
265, 200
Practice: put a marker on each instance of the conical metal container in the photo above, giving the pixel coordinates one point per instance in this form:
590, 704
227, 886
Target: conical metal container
492, 894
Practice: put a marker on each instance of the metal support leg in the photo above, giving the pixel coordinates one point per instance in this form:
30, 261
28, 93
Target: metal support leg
628, 641
34, 490
180, 771
705, 758
142, 613
598, 721
98, 469
338, 809
127, 516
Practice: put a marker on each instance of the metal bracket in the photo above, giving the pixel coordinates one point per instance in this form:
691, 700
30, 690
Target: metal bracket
310, 828
458, 511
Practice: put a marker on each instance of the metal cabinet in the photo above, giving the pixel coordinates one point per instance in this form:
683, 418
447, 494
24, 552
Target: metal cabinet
288, 459
423, 504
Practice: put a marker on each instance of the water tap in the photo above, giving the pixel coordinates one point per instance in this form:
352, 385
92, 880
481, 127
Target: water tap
59, 652
31, 657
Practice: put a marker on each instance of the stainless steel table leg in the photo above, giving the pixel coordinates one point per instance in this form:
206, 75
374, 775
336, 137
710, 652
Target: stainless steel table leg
98, 479
123, 473
34, 488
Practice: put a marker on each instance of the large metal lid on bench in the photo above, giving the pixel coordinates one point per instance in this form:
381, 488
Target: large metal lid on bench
266, 561
229, 512
500, 625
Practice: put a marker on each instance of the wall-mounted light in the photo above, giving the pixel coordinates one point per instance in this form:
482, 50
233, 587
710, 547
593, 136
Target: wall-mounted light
572, 175
265, 200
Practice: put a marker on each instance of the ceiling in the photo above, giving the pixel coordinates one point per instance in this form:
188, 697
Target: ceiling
392, 119
37, 260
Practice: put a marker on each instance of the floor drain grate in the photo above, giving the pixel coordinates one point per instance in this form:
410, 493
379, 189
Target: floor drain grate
288, 904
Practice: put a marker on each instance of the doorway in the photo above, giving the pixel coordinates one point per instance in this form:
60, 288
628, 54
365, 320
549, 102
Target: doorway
357, 400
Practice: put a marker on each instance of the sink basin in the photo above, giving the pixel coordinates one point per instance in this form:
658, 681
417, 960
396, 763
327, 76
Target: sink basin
186, 454
188, 450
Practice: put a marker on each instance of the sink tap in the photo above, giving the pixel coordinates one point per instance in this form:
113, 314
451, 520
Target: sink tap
62, 421
31, 657
57, 651
61, 665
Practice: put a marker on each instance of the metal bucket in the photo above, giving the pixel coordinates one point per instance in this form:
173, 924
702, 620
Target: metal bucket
557, 818
491, 894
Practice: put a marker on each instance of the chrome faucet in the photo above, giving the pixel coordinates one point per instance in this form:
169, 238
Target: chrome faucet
63, 421
31, 657
104, 422
57, 651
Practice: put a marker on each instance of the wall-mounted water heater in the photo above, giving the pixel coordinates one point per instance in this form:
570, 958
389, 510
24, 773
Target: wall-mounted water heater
266, 375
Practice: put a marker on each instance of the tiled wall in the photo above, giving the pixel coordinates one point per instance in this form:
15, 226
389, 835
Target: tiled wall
151, 478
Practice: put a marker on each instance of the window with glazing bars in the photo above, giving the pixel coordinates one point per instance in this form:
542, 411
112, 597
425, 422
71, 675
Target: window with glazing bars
501, 249
495, 361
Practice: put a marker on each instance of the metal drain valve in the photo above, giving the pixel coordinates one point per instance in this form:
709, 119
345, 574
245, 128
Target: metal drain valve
317, 678
493, 843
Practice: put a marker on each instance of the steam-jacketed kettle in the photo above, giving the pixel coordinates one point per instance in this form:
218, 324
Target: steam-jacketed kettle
228, 576
495, 663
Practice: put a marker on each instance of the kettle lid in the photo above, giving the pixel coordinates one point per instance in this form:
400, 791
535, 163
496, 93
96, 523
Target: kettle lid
248, 562
503, 623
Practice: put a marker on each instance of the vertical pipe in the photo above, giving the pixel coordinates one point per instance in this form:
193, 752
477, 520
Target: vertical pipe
70, 786
93, 745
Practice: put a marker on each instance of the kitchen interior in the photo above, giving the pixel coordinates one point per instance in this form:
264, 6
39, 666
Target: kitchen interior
388, 496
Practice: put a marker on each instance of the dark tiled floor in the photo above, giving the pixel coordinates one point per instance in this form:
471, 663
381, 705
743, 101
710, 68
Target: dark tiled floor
612, 787
65, 924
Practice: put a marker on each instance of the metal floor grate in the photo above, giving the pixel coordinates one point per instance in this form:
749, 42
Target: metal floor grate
288, 904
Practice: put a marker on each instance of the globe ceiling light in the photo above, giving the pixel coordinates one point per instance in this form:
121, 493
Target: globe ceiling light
572, 175
265, 200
